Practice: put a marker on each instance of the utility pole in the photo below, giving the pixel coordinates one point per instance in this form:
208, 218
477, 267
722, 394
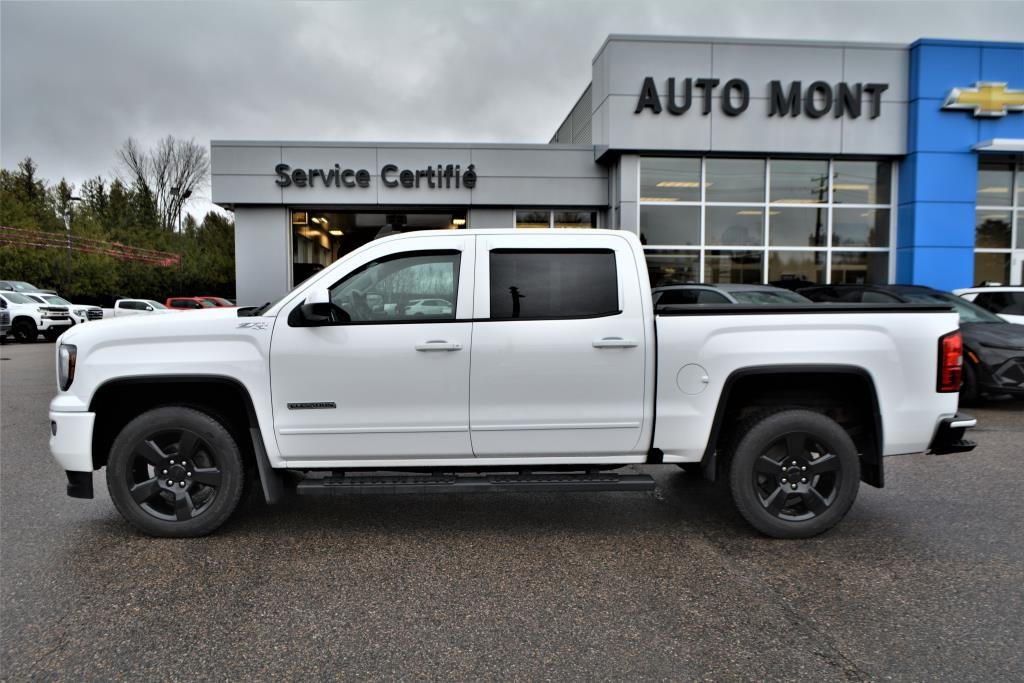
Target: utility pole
67, 240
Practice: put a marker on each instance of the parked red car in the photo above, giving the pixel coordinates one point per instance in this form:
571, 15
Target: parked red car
218, 301
188, 302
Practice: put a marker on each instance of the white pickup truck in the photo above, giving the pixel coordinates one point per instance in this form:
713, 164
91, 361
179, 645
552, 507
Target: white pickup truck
550, 370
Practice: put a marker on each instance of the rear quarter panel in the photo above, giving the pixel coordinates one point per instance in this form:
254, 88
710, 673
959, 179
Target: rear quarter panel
899, 351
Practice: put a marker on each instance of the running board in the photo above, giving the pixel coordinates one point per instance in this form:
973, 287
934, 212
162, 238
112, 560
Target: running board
456, 483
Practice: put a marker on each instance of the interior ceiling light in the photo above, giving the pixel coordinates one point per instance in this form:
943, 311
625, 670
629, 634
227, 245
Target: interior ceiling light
458, 221
658, 199
850, 186
336, 233
993, 190
749, 212
795, 201
678, 183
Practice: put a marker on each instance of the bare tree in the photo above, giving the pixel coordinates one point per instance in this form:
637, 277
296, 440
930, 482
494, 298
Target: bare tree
171, 172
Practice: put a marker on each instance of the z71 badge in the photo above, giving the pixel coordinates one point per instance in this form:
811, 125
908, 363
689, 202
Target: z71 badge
255, 325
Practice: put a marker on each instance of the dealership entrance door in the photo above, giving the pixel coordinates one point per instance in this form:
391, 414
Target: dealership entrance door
321, 237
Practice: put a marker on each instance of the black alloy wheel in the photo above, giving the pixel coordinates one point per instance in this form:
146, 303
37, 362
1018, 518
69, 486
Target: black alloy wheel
175, 471
795, 474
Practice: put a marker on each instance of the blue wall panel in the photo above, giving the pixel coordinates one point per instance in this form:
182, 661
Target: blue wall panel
938, 178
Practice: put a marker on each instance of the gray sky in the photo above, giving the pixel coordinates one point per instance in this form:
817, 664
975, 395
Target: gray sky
80, 77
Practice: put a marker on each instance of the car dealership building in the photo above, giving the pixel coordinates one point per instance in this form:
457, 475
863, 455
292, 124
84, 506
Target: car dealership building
734, 160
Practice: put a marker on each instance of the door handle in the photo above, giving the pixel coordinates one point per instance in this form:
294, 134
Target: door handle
438, 345
615, 343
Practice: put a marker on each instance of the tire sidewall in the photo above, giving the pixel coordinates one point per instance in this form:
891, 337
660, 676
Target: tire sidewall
25, 331
754, 443
229, 461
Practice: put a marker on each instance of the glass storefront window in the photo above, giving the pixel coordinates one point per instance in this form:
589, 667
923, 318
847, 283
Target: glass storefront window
861, 182
743, 267
798, 227
995, 183
575, 219
673, 225
319, 238
813, 214
805, 266
533, 218
667, 179
799, 181
673, 267
1020, 229
735, 180
734, 226
991, 268
992, 229
860, 227
859, 267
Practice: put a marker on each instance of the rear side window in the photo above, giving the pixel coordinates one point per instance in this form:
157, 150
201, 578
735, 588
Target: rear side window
553, 283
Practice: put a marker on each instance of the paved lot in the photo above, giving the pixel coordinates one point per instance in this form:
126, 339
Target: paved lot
924, 579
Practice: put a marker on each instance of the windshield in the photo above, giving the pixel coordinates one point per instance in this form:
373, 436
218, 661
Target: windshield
764, 296
155, 304
969, 313
52, 299
16, 298
19, 286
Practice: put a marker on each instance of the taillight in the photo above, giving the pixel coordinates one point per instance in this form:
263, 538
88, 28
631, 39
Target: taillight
951, 362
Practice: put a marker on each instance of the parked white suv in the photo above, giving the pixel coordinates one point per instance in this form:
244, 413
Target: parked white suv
1006, 302
29, 319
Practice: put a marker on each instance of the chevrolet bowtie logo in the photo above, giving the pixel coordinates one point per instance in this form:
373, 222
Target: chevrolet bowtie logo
986, 99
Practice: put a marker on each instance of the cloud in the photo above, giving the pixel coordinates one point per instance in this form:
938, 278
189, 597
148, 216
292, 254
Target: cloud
80, 77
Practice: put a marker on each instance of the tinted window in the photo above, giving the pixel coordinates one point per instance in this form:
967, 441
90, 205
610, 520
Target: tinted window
768, 297
16, 298
691, 296
130, 305
553, 283
999, 302
878, 298
414, 286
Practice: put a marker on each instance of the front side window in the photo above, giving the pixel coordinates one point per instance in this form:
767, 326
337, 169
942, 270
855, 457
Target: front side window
16, 298
410, 287
553, 283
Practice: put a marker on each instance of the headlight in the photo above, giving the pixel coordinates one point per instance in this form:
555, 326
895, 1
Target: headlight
81, 312
67, 356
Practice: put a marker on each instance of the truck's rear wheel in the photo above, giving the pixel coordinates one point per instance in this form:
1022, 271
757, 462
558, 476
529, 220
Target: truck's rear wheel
794, 474
175, 471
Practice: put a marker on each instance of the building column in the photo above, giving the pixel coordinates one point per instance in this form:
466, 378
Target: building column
263, 254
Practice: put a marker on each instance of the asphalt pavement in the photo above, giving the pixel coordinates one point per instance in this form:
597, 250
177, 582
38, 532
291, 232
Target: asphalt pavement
923, 580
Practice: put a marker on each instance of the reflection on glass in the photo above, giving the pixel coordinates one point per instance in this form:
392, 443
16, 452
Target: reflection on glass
667, 179
861, 182
533, 218
991, 268
1020, 229
672, 267
676, 225
995, 183
790, 227
789, 266
992, 229
734, 226
575, 219
860, 267
799, 181
735, 180
733, 266
860, 227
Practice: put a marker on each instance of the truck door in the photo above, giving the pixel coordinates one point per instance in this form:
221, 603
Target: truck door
559, 346
393, 382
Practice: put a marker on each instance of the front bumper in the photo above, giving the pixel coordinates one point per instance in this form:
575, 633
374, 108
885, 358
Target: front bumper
55, 324
71, 440
949, 437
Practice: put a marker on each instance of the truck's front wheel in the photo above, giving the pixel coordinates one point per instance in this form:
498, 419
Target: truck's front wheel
175, 471
794, 474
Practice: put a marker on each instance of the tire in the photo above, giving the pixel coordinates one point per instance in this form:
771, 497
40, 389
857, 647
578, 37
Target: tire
794, 474
969, 386
25, 331
694, 469
191, 497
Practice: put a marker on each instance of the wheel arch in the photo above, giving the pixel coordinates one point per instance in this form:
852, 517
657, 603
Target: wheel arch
117, 401
847, 393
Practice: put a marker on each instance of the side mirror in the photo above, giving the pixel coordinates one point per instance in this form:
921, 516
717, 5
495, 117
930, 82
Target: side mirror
317, 311
149, 308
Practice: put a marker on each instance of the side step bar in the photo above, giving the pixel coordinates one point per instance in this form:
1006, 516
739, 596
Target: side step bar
460, 483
